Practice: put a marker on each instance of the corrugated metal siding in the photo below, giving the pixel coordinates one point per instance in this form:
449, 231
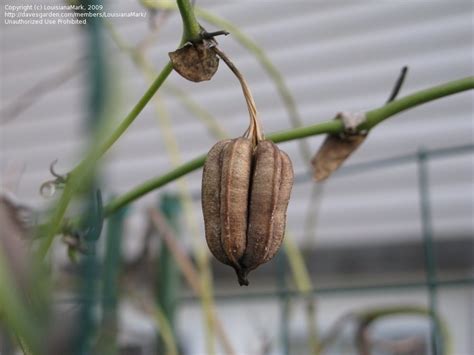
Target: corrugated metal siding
334, 56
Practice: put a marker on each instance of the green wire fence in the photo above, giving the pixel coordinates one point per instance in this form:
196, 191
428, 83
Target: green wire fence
431, 283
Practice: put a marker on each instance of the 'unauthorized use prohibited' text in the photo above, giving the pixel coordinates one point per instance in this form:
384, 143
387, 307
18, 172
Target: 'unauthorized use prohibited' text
39, 14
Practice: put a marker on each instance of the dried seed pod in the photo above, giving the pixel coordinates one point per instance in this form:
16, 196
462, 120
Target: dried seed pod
196, 61
245, 194
246, 188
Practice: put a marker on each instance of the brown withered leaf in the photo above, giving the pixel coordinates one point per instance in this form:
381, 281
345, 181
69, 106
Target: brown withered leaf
196, 61
333, 152
13, 235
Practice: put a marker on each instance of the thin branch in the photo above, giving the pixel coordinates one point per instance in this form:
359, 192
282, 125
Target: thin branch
14, 308
171, 144
312, 215
362, 339
81, 171
212, 124
412, 345
187, 268
335, 331
174, 153
40, 89
367, 318
374, 117
304, 285
162, 323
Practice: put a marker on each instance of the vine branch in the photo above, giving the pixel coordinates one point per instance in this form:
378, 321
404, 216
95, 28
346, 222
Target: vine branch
374, 117
80, 173
191, 28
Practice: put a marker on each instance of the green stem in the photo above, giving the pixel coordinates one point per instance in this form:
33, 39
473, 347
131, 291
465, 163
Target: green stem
372, 315
191, 28
152, 184
54, 223
140, 105
174, 153
374, 117
172, 147
79, 173
14, 313
304, 285
165, 330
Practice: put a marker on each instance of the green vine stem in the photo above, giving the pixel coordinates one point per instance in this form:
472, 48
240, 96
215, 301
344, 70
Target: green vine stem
138, 56
304, 285
205, 278
14, 312
191, 28
374, 117
366, 318
79, 174
161, 322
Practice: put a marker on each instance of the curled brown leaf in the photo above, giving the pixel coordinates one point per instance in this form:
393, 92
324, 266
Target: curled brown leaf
196, 61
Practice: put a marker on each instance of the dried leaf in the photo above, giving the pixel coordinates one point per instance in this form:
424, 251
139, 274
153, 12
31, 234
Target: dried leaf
12, 242
196, 61
334, 151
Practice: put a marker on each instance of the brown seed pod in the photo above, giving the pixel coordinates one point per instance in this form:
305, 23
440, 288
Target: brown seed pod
246, 186
245, 214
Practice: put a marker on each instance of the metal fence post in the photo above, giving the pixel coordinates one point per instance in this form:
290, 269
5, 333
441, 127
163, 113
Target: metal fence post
169, 278
428, 247
89, 265
110, 280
